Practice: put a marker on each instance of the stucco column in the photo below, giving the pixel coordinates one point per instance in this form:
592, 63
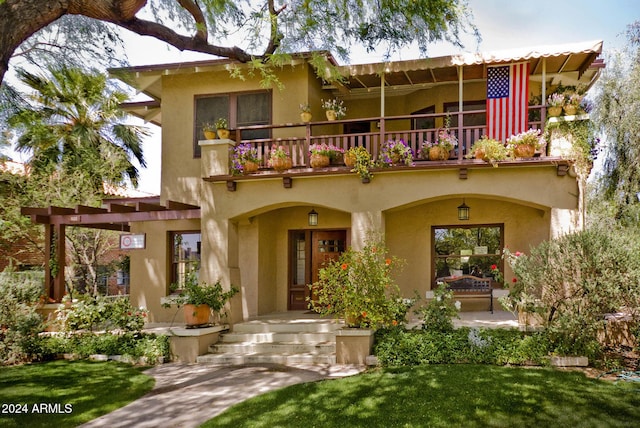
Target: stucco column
564, 221
363, 224
215, 157
220, 250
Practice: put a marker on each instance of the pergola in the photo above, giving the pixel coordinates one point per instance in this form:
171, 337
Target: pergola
115, 214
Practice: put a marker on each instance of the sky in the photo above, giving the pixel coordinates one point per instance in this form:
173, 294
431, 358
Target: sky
503, 24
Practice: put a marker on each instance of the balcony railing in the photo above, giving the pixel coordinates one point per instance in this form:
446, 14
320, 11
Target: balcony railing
388, 129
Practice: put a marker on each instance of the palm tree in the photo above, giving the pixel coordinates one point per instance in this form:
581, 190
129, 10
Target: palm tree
72, 121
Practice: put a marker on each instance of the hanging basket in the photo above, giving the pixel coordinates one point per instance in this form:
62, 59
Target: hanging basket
349, 160
250, 167
524, 151
438, 153
281, 164
319, 161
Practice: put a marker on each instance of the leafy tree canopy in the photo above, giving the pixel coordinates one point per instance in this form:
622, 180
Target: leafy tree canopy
616, 113
243, 30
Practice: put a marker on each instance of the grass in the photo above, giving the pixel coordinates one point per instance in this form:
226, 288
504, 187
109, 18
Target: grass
445, 396
67, 394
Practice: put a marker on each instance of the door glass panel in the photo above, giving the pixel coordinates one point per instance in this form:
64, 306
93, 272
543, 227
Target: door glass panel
300, 259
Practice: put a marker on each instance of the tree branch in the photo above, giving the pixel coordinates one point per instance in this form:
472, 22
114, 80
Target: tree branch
276, 36
195, 11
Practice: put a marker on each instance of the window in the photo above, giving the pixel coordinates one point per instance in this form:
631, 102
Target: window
240, 109
475, 119
185, 256
470, 250
424, 122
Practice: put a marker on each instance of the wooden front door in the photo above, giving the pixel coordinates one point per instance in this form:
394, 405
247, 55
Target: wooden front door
310, 251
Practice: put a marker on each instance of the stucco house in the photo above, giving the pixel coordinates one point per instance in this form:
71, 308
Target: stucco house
258, 231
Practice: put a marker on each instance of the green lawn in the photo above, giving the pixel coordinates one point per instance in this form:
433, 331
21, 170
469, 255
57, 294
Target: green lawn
445, 396
67, 394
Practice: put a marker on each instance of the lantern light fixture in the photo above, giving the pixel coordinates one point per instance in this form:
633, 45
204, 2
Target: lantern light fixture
313, 217
463, 211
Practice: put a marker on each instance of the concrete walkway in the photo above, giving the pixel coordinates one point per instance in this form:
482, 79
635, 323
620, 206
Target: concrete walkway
187, 395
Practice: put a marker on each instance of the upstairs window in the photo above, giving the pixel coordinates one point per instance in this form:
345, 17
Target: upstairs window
240, 109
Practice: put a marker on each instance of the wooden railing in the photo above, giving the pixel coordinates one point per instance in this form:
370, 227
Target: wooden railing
316, 133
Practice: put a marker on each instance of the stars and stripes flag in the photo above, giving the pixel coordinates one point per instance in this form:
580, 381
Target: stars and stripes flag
507, 100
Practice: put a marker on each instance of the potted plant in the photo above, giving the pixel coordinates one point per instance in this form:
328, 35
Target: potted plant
305, 112
440, 149
209, 131
279, 158
489, 150
524, 144
359, 159
320, 155
244, 159
395, 152
572, 104
555, 102
334, 109
201, 299
222, 127
360, 288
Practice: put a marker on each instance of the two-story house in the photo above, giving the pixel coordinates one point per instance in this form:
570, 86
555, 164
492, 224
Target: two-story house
268, 232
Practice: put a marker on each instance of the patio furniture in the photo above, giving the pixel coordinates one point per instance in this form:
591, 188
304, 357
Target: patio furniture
470, 286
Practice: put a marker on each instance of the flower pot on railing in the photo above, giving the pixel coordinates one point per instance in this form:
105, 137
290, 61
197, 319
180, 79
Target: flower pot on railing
570, 110
438, 153
209, 134
554, 111
524, 151
223, 134
349, 159
250, 167
305, 116
331, 114
281, 164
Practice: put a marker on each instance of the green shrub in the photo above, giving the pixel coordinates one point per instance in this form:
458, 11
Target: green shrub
439, 312
19, 321
572, 281
399, 347
134, 345
91, 312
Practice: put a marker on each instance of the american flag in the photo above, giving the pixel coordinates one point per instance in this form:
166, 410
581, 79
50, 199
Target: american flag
507, 100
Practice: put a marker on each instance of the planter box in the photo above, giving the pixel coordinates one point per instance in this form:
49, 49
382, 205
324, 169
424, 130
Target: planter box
187, 344
569, 361
353, 345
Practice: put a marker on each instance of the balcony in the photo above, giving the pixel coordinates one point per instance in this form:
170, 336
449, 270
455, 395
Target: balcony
388, 128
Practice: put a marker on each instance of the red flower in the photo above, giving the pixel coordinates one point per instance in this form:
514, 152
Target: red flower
344, 266
387, 262
494, 267
514, 280
518, 253
394, 322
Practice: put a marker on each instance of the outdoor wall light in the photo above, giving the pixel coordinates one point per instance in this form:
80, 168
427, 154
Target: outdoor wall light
463, 211
313, 218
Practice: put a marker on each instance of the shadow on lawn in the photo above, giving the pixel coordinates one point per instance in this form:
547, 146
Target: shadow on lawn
445, 395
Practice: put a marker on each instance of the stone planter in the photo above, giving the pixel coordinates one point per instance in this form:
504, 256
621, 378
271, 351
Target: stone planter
353, 345
569, 361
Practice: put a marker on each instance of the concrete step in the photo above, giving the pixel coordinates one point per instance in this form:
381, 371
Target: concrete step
263, 358
288, 326
275, 347
271, 337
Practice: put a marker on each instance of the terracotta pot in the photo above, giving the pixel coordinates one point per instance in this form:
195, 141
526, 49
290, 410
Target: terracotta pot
250, 167
209, 135
570, 110
281, 164
524, 151
479, 154
305, 116
554, 111
223, 134
438, 153
319, 161
195, 315
331, 114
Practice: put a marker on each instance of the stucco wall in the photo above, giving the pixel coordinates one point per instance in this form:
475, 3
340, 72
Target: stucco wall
150, 267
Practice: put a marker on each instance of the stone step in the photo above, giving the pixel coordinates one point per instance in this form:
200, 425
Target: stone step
276, 347
271, 337
288, 326
265, 358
